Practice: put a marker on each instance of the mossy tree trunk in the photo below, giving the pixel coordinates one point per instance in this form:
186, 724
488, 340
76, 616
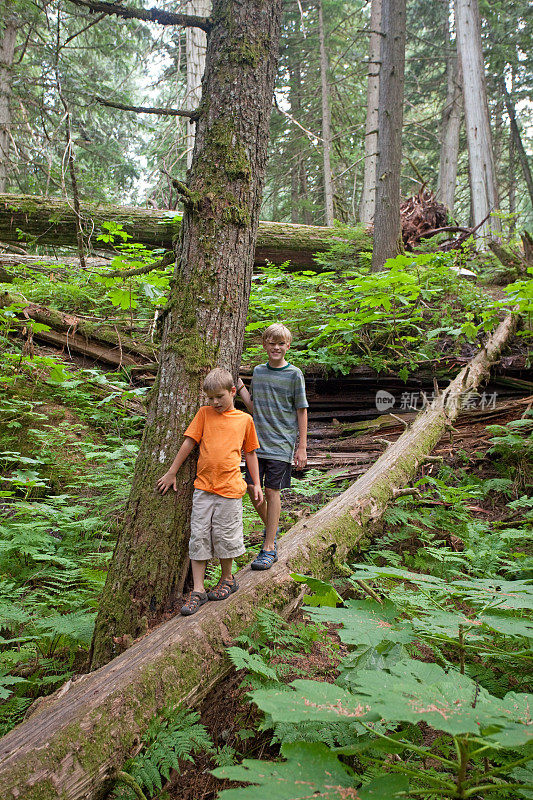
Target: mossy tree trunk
204, 326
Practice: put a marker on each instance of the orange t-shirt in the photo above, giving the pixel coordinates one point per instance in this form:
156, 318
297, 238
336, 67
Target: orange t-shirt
221, 438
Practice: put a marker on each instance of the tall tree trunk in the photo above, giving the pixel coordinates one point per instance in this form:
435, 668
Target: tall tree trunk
368, 197
8, 35
512, 186
451, 123
195, 48
299, 210
515, 133
206, 314
326, 120
387, 225
304, 196
480, 153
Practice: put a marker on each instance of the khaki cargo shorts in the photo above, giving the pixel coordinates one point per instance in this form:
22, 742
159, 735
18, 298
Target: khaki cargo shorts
216, 527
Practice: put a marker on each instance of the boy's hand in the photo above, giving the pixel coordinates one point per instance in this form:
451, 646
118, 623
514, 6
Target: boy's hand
166, 481
258, 493
300, 458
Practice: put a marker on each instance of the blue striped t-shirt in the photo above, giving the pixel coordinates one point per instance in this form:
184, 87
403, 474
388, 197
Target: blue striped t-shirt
277, 392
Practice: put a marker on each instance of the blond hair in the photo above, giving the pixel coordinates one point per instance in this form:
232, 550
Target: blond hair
218, 379
277, 332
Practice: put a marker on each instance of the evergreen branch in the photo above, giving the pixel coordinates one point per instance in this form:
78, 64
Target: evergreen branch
164, 112
146, 14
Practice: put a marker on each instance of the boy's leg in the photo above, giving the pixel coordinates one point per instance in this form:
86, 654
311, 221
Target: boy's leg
226, 565
200, 550
277, 477
198, 596
198, 574
228, 543
273, 504
261, 507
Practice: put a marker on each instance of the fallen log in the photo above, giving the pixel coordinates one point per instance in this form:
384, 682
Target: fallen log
91, 338
77, 739
52, 222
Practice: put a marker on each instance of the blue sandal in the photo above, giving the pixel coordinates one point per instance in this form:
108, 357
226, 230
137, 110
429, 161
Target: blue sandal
265, 559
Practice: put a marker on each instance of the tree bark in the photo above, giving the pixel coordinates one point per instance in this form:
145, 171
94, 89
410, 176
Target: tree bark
8, 35
53, 223
483, 182
204, 326
326, 121
519, 146
451, 124
195, 47
368, 197
387, 225
78, 738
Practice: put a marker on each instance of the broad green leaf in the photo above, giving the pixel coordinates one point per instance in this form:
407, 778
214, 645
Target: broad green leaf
498, 593
311, 770
411, 691
312, 700
324, 593
366, 622
509, 626
123, 299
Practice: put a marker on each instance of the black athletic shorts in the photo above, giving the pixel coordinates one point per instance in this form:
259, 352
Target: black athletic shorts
272, 474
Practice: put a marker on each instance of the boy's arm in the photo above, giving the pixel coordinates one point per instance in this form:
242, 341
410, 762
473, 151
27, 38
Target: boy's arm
253, 468
244, 394
300, 456
169, 478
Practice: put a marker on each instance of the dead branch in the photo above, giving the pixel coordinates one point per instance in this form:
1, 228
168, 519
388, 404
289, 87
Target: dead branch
147, 15
163, 112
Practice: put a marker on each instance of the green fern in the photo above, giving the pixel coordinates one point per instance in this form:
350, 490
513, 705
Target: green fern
171, 737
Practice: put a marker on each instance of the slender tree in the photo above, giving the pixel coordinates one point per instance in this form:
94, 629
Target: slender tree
8, 34
326, 118
196, 43
368, 197
387, 227
205, 318
451, 122
517, 139
484, 193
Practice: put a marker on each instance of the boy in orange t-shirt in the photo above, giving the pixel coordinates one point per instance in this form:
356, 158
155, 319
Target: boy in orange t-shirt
216, 522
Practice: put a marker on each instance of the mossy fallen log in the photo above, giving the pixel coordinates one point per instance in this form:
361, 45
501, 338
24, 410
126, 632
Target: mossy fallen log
91, 338
52, 222
77, 739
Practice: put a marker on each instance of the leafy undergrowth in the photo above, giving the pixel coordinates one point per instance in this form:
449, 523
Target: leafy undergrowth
418, 309
413, 681
68, 443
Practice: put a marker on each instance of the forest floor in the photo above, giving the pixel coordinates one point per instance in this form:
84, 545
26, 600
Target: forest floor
234, 722
68, 443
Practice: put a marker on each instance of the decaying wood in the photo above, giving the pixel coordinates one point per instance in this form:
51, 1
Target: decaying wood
53, 223
422, 216
96, 340
78, 738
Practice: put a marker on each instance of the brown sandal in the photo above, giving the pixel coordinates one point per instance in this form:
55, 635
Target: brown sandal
193, 601
223, 589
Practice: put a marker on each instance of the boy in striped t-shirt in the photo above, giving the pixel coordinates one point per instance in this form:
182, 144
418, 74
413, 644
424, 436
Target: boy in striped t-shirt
279, 407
